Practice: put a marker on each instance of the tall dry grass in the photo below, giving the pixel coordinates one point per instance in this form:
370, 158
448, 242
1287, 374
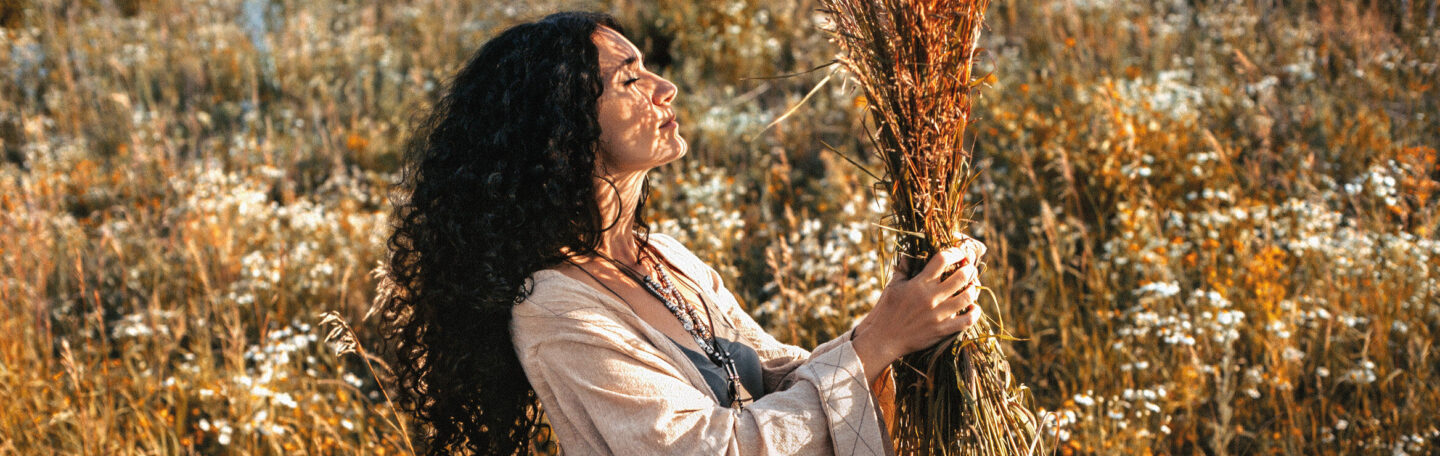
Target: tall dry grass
1213, 222
913, 61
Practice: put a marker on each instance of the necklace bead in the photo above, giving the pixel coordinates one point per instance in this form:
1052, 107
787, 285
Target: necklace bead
665, 291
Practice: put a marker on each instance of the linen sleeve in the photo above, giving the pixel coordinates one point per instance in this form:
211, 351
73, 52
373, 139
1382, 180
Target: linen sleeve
778, 360
637, 402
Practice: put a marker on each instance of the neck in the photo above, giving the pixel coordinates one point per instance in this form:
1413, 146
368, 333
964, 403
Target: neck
617, 210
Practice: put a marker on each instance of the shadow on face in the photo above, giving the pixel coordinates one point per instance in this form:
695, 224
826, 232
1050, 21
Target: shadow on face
638, 130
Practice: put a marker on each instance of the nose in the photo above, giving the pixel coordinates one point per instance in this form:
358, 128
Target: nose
664, 92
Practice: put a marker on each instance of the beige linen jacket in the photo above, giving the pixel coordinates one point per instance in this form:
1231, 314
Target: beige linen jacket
612, 384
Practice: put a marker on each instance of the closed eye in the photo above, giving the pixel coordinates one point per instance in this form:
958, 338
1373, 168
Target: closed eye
631, 81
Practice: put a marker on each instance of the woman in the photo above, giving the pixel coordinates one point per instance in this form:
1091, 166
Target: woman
525, 276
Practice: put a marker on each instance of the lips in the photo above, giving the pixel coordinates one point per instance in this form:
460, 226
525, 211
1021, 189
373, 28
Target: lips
669, 122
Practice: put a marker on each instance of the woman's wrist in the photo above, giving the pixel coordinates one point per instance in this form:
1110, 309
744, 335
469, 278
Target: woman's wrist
872, 353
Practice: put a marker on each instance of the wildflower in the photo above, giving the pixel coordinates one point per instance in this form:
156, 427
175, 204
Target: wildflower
352, 380
225, 433
1278, 329
260, 417
285, 400
1160, 289
1230, 318
1400, 327
1363, 375
1293, 354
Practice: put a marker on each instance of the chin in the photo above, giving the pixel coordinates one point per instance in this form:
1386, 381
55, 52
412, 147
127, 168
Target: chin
680, 149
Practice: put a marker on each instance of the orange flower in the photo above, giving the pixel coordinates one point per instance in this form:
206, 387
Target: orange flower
356, 143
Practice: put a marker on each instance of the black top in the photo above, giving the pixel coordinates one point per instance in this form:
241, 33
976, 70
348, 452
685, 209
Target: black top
747, 362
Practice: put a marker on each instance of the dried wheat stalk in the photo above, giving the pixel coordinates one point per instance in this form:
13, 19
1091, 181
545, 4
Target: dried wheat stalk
913, 60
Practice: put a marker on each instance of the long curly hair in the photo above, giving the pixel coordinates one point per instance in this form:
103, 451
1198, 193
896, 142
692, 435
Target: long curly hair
498, 183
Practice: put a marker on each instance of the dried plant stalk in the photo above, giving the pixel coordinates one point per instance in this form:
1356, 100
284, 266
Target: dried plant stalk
913, 60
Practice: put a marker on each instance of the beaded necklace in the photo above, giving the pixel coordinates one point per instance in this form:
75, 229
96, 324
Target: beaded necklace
664, 290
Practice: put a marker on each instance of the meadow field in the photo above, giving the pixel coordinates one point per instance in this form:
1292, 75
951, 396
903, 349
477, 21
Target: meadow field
1212, 223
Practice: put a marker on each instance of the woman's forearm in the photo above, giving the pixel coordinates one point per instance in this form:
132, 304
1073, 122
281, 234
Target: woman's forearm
874, 354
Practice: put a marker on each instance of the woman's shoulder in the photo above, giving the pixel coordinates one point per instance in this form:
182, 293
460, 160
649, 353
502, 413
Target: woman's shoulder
558, 306
552, 293
667, 243
676, 251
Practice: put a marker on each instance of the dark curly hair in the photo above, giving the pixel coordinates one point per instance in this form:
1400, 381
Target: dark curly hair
497, 184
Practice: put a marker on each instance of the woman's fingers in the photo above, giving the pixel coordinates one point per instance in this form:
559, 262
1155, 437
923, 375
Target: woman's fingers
974, 293
940, 262
968, 252
901, 272
963, 321
958, 281
959, 302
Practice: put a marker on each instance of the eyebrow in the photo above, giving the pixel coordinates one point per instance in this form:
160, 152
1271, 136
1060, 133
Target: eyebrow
627, 62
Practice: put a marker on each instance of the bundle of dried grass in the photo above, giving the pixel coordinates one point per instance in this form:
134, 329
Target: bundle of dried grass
913, 60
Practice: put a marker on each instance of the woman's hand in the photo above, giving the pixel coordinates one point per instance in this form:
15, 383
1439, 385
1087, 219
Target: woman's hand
915, 313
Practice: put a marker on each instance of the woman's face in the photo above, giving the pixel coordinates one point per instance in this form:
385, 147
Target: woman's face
637, 125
